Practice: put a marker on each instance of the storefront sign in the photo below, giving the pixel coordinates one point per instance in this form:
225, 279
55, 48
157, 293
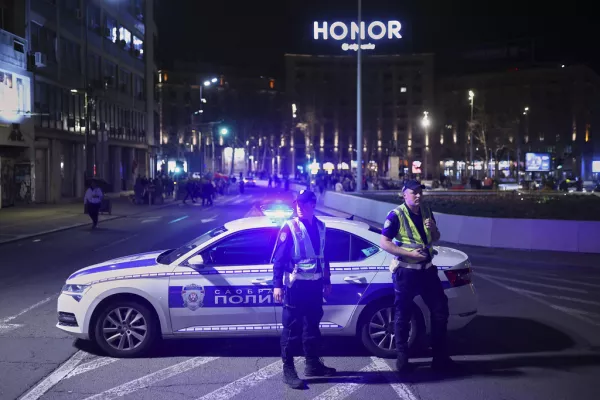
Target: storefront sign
376, 30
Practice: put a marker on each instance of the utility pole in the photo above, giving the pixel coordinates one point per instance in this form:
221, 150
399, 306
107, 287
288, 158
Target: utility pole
359, 144
471, 99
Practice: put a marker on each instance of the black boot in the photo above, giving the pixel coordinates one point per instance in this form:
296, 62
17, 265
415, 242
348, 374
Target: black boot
290, 377
402, 364
316, 367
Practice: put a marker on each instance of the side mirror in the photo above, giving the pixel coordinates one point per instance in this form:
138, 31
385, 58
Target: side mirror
196, 261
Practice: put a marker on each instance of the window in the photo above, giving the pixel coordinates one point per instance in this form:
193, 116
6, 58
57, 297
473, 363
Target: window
139, 88
253, 247
43, 40
125, 39
337, 245
70, 55
111, 29
124, 81
94, 20
138, 48
94, 67
138, 9
110, 71
361, 249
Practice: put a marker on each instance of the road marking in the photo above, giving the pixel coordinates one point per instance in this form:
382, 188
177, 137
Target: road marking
530, 273
533, 283
541, 276
90, 366
209, 219
37, 240
403, 391
146, 381
41, 388
115, 242
554, 296
238, 201
179, 219
242, 384
151, 219
585, 314
578, 316
343, 390
4, 328
39, 303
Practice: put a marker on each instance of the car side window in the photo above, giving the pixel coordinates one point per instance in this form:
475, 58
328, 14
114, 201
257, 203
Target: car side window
337, 245
361, 249
252, 247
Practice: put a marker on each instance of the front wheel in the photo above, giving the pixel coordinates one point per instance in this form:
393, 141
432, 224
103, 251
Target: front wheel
126, 329
377, 330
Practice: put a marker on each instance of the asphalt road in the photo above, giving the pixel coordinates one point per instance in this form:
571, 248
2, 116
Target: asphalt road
536, 336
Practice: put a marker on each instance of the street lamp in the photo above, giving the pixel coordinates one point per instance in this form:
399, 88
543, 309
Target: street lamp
471, 101
359, 143
206, 83
224, 131
426, 123
525, 113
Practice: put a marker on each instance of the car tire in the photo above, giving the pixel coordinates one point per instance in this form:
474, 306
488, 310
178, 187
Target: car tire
386, 315
123, 340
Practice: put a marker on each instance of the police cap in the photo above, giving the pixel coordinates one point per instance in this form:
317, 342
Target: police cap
306, 196
413, 185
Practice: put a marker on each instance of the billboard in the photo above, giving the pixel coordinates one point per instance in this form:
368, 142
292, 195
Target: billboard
595, 166
537, 162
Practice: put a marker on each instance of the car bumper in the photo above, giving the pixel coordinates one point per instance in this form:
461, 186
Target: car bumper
462, 304
71, 317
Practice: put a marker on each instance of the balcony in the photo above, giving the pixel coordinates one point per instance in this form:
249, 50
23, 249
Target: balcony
13, 49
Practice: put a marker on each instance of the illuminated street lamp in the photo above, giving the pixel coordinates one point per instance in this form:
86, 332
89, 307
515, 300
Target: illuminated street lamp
425, 122
471, 101
224, 131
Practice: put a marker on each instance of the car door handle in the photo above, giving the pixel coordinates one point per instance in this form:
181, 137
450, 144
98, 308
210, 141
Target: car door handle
262, 281
355, 279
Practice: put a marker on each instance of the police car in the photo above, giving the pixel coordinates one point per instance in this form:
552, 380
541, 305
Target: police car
220, 285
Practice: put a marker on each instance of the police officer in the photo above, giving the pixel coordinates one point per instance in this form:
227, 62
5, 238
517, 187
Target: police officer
408, 234
301, 277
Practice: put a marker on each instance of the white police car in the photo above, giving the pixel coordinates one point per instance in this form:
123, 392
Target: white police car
220, 284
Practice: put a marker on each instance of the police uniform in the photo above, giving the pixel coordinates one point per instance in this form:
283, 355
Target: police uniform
413, 278
301, 269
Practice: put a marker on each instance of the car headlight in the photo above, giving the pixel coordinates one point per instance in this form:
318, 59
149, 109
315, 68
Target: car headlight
78, 289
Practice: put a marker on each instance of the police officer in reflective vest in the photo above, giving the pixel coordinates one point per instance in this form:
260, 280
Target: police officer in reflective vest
301, 277
409, 233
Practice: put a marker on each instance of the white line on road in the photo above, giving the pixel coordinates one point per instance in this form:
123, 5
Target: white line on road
146, 381
248, 381
512, 271
548, 278
554, 296
402, 390
533, 283
574, 315
115, 242
342, 390
4, 328
90, 366
178, 219
41, 388
569, 310
39, 303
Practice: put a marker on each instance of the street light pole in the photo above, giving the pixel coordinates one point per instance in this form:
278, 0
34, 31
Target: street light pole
359, 144
425, 122
471, 99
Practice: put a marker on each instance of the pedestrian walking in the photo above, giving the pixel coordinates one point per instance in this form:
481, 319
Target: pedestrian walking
408, 234
301, 276
92, 202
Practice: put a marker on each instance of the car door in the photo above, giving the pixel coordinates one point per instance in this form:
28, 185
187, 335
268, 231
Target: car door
354, 262
234, 283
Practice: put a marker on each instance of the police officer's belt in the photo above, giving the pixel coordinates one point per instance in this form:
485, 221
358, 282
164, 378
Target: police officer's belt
400, 264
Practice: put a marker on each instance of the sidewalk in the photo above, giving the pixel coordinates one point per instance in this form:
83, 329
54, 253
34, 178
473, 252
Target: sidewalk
18, 223
543, 258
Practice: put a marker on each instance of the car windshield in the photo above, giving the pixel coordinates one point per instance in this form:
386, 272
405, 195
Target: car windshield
170, 256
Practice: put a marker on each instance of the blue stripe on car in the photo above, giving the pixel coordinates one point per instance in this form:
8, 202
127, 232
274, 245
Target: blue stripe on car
117, 266
252, 296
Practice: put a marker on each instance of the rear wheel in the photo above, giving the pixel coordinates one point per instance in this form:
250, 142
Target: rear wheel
126, 329
377, 330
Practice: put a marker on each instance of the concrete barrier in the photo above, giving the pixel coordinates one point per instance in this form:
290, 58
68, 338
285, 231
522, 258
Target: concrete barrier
523, 234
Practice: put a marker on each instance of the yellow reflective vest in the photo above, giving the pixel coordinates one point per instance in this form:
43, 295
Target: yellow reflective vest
408, 236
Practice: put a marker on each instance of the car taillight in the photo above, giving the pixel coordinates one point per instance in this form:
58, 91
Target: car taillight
458, 277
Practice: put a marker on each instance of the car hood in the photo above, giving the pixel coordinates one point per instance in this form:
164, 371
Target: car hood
447, 258
143, 263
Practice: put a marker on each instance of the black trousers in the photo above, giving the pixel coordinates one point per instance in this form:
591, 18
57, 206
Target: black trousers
409, 283
93, 210
302, 313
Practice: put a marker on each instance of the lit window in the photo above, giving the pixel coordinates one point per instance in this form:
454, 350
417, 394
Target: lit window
272, 84
138, 47
402, 89
125, 36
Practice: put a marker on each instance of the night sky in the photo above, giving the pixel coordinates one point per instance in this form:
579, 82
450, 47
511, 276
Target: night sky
257, 33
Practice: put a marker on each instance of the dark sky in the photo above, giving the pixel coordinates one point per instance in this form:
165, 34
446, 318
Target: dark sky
257, 33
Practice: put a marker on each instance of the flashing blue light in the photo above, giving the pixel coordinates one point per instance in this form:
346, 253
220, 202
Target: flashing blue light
177, 170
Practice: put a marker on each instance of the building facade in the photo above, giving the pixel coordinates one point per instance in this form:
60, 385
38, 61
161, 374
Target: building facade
540, 109
16, 125
94, 70
321, 113
205, 112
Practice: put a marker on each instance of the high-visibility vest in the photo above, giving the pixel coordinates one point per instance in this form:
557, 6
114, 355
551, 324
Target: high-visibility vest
305, 259
408, 236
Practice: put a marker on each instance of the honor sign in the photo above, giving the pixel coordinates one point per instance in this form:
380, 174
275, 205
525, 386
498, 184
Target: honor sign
376, 30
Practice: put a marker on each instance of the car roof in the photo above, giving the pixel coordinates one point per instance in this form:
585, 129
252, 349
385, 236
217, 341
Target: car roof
266, 222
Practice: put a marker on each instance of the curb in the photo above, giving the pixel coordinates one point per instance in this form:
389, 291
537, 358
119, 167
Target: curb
66, 228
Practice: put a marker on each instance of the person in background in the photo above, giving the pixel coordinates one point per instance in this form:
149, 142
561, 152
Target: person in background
92, 201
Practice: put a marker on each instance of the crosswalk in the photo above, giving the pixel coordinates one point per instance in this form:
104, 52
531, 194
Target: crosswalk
66, 381
577, 296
